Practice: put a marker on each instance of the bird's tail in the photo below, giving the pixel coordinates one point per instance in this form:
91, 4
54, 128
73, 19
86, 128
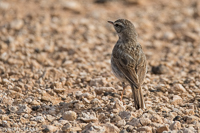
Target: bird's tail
138, 97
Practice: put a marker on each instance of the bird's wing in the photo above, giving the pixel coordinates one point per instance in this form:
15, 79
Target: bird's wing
141, 68
126, 64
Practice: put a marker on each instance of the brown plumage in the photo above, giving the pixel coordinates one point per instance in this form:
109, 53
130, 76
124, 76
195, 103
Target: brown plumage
128, 62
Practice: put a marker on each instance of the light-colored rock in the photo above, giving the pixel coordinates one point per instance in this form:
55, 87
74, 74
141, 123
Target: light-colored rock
191, 119
50, 128
93, 128
121, 123
72, 5
110, 128
38, 119
134, 122
4, 5
88, 117
176, 100
98, 82
17, 24
87, 95
175, 125
145, 121
100, 90
13, 109
162, 128
145, 129
156, 118
179, 88
119, 106
188, 130
23, 108
69, 115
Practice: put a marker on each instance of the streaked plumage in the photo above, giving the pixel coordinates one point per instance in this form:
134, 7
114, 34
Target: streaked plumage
128, 61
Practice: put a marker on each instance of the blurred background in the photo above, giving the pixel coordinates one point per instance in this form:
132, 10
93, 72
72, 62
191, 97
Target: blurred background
55, 52
42, 29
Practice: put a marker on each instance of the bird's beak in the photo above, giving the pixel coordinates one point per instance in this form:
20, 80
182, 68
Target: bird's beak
111, 22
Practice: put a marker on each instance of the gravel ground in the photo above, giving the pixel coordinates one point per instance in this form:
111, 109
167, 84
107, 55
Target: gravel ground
55, 73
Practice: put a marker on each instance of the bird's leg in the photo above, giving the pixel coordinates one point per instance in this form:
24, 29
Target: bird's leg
123, 86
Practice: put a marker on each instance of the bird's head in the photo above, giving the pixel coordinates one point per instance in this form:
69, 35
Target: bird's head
124, 28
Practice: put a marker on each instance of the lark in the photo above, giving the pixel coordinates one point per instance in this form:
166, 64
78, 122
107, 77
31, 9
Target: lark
128, 61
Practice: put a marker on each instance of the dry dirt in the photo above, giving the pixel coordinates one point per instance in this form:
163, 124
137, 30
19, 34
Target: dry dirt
55, 73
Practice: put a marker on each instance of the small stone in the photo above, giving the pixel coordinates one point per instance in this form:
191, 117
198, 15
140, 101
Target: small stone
135, 122
191, 119
13, 109
2, 111
156, 118
35, 108
34, 102
72, 5
98, 82
130, 128
123, 131
87, 95
179, 88
175, 126
125, 115
116, 118
59, 90
69, 115
23, 108
50, 128
168, 35
177, 118
119, 105
110, 128
121, 123
162, 128
50, 118
67, 127
38, 119
93, 128
188, 130
89, 117
145, 121
160, 69
4, 5
176, 100
145, 129
101, 90
45, 98
17, 24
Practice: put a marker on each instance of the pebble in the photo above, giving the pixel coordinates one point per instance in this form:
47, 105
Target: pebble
69, 115
50, 128
175, 125
179, 88
162, 129
146, 129
23, 108
160, 69
176, 100
156, 118
38, 119
125, 115
89, 117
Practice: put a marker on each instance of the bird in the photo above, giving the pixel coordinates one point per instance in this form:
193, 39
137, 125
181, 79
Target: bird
128, 61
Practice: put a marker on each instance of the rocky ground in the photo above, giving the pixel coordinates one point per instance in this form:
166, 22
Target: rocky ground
55, 73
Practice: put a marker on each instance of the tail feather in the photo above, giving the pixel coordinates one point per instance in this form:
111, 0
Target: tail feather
138, 97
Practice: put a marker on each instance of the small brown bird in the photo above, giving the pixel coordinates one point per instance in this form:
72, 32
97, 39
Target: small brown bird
128, 62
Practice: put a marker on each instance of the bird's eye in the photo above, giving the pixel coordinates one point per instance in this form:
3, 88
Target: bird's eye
117, 25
